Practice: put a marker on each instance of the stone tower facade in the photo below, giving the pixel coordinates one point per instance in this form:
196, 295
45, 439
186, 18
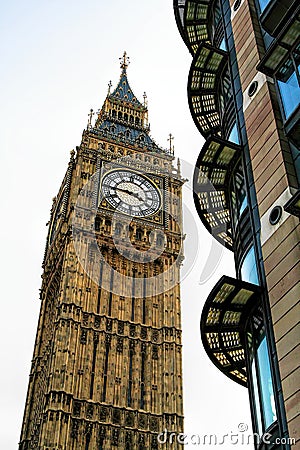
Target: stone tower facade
107, 365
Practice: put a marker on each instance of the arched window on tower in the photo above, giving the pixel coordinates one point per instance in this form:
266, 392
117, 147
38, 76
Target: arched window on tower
97, 223
137, 121
131, 119
139, 234
159, 240
107, 226
120, 115
114, 113
118, 229
126, 117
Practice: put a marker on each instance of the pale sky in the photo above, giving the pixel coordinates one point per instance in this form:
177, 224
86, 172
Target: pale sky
57, 59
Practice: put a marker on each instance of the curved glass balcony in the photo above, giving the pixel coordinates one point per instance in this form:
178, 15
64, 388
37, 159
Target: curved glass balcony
199, 21
203, 92
223, 325
192, 21
211, 184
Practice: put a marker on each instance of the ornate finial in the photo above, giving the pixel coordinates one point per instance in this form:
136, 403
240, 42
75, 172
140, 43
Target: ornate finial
145, 99
90, 115
109, 86
72, 153
178, 167
124, 61
171, 138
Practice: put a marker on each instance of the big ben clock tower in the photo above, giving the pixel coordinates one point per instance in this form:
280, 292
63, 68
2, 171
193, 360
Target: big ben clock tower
107, 364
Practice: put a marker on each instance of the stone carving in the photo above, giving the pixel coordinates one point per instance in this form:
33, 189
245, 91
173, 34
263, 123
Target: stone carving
74, 429
96, 337
83, 336
154, 424
143, 421
129, 419
120, 345
76, 408
109, 325
155, 336
89, 411
141, 439
143, 347
132, 331
154, 352
115, 437
132, 347
88, 430
116, 418
120, 327
103, 414
154, 443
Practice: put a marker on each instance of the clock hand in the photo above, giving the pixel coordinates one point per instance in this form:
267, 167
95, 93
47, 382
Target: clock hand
134, 194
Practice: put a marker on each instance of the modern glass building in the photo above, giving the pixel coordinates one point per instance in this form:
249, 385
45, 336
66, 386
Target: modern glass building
244, 97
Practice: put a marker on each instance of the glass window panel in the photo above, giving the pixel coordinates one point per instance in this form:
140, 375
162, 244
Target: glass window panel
290, 94
233, 135
222, 45
289, 86
249, 269
217, 14
263, 406
238, 194
234, 207
239, 182
256, 398
263, 4
267, 393
225, 91
227, 86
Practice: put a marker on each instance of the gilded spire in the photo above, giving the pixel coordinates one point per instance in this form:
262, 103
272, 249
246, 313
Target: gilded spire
124, 61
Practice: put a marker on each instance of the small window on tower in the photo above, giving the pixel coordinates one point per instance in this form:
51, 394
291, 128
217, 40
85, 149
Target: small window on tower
139, 234
118, 229
97, 223
159, 241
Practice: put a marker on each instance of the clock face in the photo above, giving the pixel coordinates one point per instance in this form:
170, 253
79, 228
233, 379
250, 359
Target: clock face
130, 193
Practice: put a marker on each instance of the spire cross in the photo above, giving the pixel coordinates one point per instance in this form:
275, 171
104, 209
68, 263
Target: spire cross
109, 86
124, 61
171, 138
90, 115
